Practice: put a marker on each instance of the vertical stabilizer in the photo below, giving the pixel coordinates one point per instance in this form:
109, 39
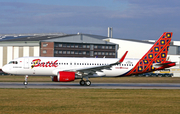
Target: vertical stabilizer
156, 54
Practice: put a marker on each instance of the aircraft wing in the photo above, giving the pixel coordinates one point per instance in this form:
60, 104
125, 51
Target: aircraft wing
92, 70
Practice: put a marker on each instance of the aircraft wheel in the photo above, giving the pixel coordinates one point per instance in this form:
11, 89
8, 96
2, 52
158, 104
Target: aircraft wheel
88, 83
82, 82
25, 83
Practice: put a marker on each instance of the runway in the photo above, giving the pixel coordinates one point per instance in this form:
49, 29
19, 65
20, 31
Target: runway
56, 85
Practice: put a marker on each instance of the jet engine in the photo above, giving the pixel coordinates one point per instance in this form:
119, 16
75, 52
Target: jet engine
64, 76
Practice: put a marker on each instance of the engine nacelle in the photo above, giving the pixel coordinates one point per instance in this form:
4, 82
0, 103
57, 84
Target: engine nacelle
64, 76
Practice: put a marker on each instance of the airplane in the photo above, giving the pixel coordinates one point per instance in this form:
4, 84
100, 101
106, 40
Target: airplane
66, 69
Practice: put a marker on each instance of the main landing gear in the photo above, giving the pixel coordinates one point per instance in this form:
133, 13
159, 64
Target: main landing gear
26, 80
87, 82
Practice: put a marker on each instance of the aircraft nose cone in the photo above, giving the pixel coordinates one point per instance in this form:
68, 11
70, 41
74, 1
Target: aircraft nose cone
4, 69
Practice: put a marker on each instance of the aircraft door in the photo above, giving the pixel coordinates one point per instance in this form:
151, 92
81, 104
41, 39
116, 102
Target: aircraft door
26, 63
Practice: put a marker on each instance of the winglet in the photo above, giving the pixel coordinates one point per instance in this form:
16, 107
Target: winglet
123, 57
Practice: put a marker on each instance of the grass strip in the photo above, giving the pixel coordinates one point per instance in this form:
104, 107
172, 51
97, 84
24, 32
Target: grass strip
75, 101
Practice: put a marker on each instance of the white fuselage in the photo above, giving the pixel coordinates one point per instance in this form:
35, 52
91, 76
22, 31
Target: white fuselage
50, 66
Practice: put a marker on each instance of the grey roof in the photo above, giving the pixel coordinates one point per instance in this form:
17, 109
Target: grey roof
24, 35
2, 38
30, 38
47, 37
78, 38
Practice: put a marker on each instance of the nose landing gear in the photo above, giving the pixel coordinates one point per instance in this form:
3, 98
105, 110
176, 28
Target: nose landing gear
26, 80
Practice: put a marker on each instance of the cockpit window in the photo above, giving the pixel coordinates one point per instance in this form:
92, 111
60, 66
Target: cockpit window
13, 62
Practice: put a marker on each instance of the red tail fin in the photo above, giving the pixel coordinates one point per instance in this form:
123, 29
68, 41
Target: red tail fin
157, 54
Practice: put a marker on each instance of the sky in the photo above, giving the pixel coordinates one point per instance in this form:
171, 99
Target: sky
130, 19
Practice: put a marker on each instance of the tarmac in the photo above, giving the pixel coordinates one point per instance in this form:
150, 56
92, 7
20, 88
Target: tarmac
60, 85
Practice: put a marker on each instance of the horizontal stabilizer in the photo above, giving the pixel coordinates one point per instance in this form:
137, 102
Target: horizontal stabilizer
157, 65
161, 64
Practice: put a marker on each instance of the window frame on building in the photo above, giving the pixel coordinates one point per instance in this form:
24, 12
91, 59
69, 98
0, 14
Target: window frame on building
45, 44
44, 51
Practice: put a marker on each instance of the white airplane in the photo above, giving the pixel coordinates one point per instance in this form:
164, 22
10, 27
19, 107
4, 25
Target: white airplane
66, 69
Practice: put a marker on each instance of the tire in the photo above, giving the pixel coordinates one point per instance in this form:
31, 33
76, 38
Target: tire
82, 82
88, 83
25, 83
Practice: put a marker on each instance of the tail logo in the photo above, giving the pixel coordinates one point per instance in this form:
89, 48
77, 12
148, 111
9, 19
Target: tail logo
157, 54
